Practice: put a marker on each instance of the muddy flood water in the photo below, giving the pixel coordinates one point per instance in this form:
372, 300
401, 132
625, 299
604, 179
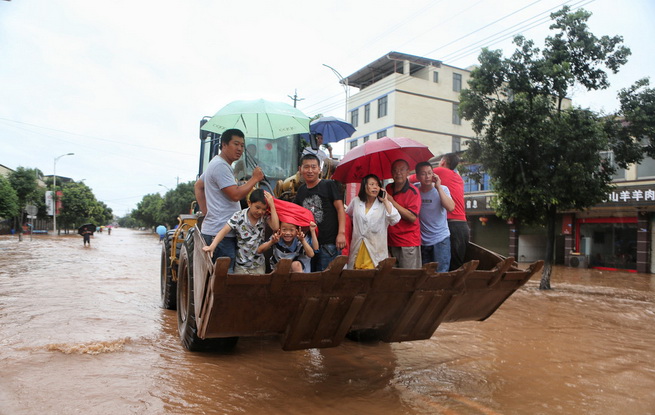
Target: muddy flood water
81, 331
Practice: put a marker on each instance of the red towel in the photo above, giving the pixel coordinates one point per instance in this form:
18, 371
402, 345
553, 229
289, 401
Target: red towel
294, 214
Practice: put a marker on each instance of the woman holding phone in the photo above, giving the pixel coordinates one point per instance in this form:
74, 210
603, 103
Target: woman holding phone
371, 214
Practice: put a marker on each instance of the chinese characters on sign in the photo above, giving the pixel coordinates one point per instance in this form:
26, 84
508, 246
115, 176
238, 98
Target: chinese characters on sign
628, 196
636, 195
482, 203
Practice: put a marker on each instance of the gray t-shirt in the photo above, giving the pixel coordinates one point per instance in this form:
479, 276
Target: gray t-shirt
220, 208
432, 217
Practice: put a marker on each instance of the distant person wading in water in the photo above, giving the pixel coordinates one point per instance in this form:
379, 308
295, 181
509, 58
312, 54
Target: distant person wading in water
87, 237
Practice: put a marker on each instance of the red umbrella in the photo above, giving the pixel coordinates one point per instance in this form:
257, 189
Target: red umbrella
376, 157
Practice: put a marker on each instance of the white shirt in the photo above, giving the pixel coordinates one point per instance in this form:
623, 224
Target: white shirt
318, 153
371, 228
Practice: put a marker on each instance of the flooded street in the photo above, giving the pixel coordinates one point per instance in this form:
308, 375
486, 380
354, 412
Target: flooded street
81, 331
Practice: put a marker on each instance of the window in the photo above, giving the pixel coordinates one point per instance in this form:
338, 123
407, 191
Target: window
365, 138
474, 181
611, 243
382, 134
619, 173
382, 107
354, 117
456, 119
457, 144
435, 76
646, 168
367, 113
457, 82
353, 144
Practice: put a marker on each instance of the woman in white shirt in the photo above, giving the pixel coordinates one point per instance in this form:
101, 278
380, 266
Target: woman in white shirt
372, 213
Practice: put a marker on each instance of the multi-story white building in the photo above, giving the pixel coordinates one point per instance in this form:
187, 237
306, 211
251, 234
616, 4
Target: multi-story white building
403, 95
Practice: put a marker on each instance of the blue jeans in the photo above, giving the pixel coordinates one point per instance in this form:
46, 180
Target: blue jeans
439, 252
324, 256
226, 248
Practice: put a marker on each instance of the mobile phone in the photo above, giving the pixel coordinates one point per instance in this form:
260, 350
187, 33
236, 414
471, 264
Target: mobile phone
381, 194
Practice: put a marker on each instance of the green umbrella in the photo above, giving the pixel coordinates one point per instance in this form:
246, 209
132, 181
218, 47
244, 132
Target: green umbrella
259, 119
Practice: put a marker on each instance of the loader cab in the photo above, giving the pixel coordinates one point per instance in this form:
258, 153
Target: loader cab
277, 157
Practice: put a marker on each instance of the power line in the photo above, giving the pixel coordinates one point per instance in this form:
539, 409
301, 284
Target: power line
482, 28
94, 138
497, 37
449, 18
523, 26
92, 148
419, 12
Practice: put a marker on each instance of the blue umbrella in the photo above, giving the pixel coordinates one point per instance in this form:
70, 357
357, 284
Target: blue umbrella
161, 230
333, 129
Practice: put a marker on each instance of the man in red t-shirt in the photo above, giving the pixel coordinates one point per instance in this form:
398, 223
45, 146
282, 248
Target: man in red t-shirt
404, 238
457, 224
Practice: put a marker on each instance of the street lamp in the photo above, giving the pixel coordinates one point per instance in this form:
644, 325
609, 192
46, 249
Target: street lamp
344, 83
165, 187
54, 198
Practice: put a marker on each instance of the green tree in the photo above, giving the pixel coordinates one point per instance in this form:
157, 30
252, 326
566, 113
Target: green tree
102, 214
129, 221
176, 201
9, 207
148, 210
634, 124
24, 182
79, 206
541, 157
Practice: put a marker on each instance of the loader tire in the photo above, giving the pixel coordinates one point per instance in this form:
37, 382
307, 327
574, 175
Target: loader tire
186, 315
168, 287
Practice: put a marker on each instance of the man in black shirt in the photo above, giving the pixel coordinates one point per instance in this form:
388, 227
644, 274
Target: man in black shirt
323, 198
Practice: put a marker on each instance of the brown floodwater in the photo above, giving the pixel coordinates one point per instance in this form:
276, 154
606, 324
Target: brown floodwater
81, 331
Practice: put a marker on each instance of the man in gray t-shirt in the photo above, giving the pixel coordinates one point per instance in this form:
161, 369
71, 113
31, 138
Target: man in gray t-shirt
218, 193
435, 202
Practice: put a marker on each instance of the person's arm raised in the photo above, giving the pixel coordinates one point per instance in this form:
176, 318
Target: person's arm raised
273, 220
406, 214
236, 193
446, 201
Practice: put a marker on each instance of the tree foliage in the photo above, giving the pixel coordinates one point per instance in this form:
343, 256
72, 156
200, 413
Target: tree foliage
9, 206
177, 201
634, 124
542, 157
148, 209
24, 182
79, 206
155, 210
129, 221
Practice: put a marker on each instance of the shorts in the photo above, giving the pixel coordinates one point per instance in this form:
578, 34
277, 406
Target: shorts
407, 256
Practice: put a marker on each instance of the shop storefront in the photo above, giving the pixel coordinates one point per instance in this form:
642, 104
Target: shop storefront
613, 235
608, 243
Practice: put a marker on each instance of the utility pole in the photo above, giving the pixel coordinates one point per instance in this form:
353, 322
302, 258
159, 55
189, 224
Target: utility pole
295, 98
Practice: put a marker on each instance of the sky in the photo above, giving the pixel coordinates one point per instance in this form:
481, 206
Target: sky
124, 84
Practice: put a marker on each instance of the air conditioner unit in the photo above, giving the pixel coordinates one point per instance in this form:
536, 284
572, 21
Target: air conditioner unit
578, 261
